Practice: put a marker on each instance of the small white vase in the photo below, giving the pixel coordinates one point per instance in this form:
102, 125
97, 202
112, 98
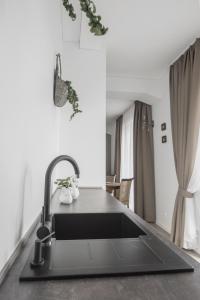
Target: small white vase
65, 196
74, 192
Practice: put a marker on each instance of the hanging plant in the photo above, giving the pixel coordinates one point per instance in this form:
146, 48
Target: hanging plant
73, 99
63, 90
89, 8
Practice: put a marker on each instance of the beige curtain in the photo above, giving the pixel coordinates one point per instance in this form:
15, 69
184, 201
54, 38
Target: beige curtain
144, 188
118, 142
185, 118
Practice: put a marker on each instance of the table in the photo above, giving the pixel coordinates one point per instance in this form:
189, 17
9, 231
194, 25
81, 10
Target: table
110, 186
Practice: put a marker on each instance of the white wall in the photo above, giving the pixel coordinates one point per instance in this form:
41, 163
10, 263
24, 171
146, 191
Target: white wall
165, 174
154, 91
30, 35
84, 137
32, 130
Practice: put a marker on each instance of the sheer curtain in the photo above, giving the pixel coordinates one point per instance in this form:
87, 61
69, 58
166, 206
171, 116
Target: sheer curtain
192, 208
127, 150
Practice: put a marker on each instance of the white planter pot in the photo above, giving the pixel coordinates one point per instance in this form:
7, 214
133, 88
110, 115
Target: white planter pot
65, 196
75, 192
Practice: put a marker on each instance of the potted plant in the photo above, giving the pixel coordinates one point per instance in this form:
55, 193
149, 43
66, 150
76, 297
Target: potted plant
67, 189
64, 190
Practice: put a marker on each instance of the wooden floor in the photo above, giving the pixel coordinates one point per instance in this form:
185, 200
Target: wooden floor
183, 286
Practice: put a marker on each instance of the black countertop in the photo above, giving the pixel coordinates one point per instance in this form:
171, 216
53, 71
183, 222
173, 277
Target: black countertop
90, 200
182, 286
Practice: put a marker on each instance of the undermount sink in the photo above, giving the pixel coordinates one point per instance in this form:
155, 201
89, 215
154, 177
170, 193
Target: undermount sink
81, 226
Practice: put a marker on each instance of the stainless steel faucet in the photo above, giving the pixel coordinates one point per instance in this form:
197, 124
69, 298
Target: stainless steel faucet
47, 191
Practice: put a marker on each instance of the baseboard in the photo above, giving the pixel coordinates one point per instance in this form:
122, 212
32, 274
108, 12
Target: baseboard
17, 250
163, 228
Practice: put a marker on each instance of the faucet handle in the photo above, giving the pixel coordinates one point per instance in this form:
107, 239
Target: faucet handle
47, 237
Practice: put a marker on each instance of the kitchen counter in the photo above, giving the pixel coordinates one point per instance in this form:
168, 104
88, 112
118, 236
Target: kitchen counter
90, 200
156, 287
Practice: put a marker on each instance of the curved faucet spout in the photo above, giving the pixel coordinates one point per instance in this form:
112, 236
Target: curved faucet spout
47, 191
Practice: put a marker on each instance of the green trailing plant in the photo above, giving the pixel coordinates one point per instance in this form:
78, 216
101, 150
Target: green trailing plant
66, 182
89, 8
73, 99
70, 9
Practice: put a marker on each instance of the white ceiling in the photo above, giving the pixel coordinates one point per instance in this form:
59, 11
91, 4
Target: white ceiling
145, 36
119, 102
115, 107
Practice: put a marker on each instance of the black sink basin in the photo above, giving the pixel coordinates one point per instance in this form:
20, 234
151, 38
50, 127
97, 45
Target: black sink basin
81, 226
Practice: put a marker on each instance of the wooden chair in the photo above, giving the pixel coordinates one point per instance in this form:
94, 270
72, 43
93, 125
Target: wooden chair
110, 178
124, 192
